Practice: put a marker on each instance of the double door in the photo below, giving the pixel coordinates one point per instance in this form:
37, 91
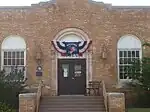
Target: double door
71, 76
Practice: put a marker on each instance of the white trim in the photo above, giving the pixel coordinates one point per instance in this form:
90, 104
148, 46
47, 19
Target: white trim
25, 63
74, 31
13, 42
2, 59
128, 45
16, 49
122, 81
87, 55
88, 69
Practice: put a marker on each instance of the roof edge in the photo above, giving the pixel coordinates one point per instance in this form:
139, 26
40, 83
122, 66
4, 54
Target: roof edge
130, 7
90, 1
15, 7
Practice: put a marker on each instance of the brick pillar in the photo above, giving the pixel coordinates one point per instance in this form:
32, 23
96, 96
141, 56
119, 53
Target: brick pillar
116, 102
27, 102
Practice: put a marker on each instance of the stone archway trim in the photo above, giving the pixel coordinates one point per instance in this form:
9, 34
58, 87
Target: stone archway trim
88, 57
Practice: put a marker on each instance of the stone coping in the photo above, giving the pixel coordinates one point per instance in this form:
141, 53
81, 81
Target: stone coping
27, 95
115, 94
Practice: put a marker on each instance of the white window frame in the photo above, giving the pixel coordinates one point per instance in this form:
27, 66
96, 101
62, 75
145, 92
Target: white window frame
121, 82
132, 49
7, 50
23, 48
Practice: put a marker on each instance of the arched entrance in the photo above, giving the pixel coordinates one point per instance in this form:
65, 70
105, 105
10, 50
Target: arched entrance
72, 61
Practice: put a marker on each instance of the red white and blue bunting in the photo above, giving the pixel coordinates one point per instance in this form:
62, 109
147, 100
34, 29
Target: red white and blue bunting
71, 48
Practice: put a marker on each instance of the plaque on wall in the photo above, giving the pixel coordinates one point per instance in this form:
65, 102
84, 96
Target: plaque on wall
39, 71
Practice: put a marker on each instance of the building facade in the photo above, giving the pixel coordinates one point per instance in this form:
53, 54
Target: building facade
68, 43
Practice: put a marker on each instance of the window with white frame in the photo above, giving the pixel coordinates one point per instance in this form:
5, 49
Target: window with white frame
129, 49
13, 54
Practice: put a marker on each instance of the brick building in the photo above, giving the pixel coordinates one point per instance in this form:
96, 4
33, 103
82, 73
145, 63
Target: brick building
72, 42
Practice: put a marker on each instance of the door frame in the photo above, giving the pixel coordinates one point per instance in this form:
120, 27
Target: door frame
58, 72
54, 83
55, 56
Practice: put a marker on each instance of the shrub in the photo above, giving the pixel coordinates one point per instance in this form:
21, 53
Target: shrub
6, 108
11, 85
140, 75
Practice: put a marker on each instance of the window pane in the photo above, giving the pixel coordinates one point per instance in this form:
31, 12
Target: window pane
121, 69
130, 76
18, 54
137, 54
5, 54
125, 60
18, 61
5, 61
65, 68
9, 61
134, 60
121, 61
13, 62
9, 54
22, 54
129, 53
130, 69
77, 71
13, 54
7, 69
133, 53
126, 69
125, 53
120, 54
129, 61
125, 75
121, 75
22, 61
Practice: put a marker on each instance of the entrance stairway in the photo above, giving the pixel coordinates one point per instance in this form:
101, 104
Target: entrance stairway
72, 104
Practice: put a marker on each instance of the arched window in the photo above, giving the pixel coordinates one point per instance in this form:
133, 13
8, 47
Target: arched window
13, 51
129, 48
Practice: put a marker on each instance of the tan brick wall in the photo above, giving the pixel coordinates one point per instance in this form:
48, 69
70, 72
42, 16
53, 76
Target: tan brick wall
116, 102
27, 102
103, 25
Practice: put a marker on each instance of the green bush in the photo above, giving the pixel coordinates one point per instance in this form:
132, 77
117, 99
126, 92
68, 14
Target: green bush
6, 108
11, 85
140, 75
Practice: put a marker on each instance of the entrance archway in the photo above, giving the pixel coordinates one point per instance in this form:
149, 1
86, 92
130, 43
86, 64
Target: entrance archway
71, 54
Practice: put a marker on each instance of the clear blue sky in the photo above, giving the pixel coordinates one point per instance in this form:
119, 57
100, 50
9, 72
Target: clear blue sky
113, 2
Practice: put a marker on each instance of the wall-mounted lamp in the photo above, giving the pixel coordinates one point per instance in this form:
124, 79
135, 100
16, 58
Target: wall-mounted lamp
38, 54
39, 58
104, 52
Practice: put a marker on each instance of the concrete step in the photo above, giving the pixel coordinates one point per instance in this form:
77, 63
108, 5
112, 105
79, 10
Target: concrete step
72, 97
75, 102
72, 104
71, 109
